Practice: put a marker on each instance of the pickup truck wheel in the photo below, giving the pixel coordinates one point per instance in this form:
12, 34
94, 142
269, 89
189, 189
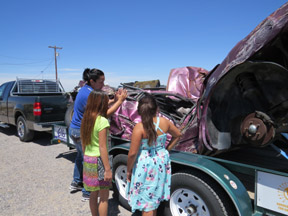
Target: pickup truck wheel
23, 132
196, 194
69, 114
119, 177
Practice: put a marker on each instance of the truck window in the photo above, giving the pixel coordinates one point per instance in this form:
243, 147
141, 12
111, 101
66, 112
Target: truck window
2, 89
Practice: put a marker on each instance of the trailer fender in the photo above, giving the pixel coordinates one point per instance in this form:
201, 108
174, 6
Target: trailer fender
122, 148
226, 179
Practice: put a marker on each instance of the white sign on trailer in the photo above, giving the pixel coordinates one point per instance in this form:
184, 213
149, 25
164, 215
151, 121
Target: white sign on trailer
272, 192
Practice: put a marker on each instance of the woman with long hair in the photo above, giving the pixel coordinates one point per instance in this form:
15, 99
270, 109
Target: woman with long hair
94, 137
94, 79
148, 165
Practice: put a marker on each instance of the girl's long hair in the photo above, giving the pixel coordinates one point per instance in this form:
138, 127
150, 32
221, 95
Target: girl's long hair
147, 109
97, 104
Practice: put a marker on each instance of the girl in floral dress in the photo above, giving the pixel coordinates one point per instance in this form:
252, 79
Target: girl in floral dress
148, 165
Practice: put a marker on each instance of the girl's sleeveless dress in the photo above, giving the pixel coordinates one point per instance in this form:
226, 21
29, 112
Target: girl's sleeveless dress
151, 176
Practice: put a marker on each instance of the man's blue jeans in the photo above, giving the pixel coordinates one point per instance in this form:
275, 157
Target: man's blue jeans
74, 134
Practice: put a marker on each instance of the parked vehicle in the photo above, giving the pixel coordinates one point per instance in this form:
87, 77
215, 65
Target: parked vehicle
231, 159
32, 105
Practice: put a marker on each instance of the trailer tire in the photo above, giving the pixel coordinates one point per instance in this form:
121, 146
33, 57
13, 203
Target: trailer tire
194, 193
23, 132
69, 114
120, 182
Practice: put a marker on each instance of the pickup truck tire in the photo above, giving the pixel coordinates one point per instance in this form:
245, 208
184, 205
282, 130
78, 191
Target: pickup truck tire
193, 193
69, 114
23, 132
119, 177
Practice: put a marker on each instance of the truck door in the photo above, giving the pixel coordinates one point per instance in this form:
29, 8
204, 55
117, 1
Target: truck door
4, 92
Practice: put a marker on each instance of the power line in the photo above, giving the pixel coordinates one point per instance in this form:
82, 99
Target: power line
12, 57
42, 71
29, 63
48, 65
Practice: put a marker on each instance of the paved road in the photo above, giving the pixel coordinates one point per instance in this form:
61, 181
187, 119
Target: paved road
35, 178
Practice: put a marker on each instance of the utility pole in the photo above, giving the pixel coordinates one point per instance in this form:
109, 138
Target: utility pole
55, 54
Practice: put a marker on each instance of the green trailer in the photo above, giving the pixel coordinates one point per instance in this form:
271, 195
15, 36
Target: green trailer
243, 182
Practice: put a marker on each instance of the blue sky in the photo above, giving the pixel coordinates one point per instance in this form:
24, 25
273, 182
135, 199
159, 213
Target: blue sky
130, 40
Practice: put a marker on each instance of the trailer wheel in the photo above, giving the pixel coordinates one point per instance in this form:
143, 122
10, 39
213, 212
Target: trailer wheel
119, 177
23, 132
197, 194
69, 114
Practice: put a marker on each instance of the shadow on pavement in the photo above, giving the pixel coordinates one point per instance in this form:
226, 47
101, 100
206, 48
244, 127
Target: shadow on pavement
113, 209
41, 138
69, 155
10, 131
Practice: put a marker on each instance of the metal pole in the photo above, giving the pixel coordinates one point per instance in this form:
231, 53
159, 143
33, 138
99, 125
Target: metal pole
55, 54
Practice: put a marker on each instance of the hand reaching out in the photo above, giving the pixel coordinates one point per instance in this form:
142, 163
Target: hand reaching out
121, 94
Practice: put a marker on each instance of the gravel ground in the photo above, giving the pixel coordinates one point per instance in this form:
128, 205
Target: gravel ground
35, 178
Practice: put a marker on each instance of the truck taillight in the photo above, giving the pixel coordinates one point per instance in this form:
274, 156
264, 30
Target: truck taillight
37, 109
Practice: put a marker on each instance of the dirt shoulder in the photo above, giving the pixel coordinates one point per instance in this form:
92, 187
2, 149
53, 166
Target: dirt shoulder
35, 178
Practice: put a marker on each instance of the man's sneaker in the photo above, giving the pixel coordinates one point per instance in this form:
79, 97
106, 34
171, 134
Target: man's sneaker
85, 197
76, 186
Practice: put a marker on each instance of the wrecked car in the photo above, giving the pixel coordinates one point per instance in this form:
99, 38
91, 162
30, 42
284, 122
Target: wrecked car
232, 120
242, 101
